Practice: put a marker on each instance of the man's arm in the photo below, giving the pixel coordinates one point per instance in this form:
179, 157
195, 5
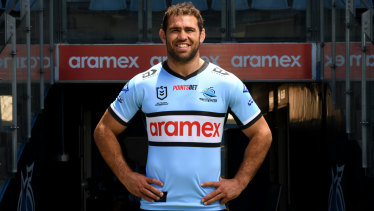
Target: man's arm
227, 189
105, 136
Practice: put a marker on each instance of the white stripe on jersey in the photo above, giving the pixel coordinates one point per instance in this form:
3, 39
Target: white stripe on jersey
252, 117
118, 113
185, 128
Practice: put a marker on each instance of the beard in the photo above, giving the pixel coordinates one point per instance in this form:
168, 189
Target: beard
182, 58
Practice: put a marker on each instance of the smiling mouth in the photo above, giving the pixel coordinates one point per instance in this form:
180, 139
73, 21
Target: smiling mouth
182, 45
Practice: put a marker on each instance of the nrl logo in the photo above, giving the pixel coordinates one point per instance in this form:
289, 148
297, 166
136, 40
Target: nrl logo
162, 92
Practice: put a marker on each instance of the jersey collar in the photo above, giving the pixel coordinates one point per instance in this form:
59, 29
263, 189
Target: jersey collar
201, 69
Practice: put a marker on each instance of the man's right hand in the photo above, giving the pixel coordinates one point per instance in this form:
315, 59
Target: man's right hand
140, 186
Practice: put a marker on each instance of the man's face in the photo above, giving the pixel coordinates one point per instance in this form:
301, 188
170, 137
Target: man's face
182, 37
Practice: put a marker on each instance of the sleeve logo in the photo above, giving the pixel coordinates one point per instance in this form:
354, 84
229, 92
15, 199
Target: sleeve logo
149, 73
245, 90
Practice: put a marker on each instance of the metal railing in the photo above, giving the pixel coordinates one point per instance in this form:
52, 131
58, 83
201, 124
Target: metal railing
15, 22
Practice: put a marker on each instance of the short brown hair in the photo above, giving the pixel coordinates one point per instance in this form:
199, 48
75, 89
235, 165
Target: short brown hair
185, 8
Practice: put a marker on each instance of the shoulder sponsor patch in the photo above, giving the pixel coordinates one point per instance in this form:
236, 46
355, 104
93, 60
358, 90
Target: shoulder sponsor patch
185, 128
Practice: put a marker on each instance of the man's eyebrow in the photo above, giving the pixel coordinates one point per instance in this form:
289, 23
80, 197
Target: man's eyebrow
178, 27
175, 27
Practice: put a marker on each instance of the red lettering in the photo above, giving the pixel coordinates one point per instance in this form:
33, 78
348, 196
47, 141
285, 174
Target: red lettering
207, 126
189, 124
178, 128
175, 128
160, 127
153, 128
216, 131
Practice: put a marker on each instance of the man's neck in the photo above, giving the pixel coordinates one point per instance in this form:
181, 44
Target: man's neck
183, 68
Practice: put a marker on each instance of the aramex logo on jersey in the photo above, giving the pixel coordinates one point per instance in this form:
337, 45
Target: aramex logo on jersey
184, 128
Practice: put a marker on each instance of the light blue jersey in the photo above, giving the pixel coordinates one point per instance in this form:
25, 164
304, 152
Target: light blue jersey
185, 119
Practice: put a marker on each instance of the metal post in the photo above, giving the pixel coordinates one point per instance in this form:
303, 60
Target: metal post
348, 91
51, 43
322, 38
140, 21
12, 26
223, 20
64, 21
232, 20
364, 122
28, 83
366, 33
149, 20
41, 60
308, 20
333, 51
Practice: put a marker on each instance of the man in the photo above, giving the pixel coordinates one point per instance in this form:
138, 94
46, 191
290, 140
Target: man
185, 101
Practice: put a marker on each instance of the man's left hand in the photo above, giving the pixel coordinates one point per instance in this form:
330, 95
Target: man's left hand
226, 190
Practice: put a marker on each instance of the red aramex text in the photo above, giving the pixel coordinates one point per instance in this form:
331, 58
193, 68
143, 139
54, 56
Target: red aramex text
181, 128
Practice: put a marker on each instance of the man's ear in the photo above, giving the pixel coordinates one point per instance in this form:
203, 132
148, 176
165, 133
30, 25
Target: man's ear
162, 35
202, 35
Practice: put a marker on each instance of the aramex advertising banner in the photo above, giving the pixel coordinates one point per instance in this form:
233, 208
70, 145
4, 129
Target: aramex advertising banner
21, 63
275, 61
355, 61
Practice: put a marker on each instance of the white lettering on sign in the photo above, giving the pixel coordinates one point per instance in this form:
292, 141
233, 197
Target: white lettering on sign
95, 62
21, 62
355, 60
266, 61
157, 59
211, 59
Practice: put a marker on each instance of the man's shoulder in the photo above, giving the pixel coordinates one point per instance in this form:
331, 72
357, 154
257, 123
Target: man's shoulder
149, 74
221, 74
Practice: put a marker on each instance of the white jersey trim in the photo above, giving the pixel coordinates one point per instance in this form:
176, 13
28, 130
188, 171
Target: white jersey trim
252, 117
118, 114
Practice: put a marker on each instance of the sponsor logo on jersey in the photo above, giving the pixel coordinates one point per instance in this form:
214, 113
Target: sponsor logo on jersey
220, 71
245, 90
162, 92
125, 88
185, 128
161, 103
209, 94
184, 87
250, 101
120, 99
149, 73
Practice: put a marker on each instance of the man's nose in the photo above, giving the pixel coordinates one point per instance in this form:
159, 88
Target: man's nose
182, 35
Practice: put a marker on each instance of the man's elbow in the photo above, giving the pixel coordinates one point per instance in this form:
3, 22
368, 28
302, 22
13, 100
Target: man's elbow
268, 137
98, 132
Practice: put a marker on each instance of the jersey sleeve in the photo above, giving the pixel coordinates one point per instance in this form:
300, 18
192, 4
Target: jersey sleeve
242, 106
127, 103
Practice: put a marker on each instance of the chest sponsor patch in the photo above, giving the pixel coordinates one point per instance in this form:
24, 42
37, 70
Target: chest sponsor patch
184, 87
185, 128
